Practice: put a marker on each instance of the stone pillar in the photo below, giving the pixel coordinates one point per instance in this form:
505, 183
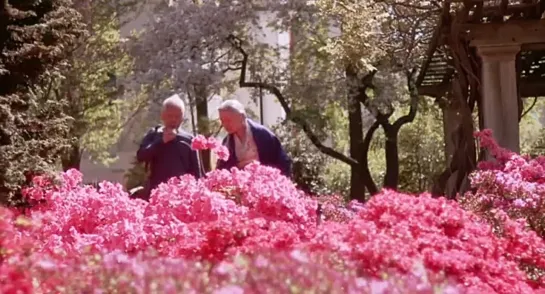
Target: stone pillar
499, 91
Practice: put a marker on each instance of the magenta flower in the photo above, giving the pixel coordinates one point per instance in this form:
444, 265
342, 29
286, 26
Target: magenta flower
202, 143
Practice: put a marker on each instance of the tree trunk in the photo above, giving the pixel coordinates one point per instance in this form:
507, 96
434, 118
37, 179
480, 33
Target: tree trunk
355, 125
463, 160
355, 131
203, 125
391, 178
391, 132
364, 163
451, 121
192, 111
304, 125
72, 158
464, 94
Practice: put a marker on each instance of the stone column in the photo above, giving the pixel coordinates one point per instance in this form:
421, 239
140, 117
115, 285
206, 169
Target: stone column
499, 91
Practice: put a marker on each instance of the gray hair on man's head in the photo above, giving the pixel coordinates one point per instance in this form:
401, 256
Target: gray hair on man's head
233, 105
174, 101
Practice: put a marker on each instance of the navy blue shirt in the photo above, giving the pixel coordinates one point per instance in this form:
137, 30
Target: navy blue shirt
268, 146
167, 160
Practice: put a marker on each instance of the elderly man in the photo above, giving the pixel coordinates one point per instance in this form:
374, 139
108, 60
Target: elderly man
166, 149
248, 141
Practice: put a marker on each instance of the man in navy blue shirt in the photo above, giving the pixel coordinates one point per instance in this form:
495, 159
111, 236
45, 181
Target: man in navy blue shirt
166, 149
249, 141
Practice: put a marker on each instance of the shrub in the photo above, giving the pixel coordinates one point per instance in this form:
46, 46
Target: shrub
512, 187
309, 165
248, 230
36, 37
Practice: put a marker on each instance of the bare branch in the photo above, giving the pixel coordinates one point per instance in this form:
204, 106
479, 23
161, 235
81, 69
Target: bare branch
216, 60
237, 44
139, 108
367, 80
413, 104
230, 68
365, 172
365, 83
529, 108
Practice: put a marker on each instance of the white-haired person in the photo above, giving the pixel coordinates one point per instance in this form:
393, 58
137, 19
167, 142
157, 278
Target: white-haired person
166, 149
249, 141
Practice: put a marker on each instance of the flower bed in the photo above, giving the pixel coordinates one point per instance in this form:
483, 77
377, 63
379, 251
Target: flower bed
252, 231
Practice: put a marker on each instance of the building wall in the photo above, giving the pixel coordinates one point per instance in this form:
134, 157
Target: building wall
125, 150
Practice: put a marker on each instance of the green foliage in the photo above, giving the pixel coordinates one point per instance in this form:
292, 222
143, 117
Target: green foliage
135, 176
349, 39
421, 150
376, 158
316, 92
92, 86
35, 38
532, 134
313, 171
337, 174
337, 178
421, 145
308, 164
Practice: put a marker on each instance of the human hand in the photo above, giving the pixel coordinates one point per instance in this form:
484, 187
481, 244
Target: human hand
168, 135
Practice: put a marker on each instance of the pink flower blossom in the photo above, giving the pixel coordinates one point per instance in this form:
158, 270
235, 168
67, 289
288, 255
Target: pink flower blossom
199, 143
252, 229
222, 153
202, 143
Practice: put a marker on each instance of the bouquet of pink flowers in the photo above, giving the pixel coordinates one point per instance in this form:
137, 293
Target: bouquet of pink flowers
200, 142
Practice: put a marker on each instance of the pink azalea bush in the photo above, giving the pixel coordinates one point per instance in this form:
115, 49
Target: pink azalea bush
250, 231
511, 183
251, 212
511, 187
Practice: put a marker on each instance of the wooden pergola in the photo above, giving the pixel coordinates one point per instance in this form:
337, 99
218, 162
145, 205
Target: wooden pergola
489, 54
434, 80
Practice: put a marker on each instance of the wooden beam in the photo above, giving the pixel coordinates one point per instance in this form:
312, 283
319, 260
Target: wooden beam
503, 7
519, 11
514, 32
532, 88
430, 52
533, 47
434, 43
437, 91
477, 13
459, 1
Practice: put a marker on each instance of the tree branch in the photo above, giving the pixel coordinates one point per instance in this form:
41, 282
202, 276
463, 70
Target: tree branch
383, 118
529, 108
367, 80
230, 68
413, 104
237, 44
365, 172
365, 83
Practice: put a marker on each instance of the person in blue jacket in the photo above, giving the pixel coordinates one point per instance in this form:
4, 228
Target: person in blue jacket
249, 141
166, 149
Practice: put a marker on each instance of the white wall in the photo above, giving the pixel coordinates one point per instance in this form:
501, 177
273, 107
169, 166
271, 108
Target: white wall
126, 149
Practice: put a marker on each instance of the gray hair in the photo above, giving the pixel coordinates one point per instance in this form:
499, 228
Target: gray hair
174, 101
234, 106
